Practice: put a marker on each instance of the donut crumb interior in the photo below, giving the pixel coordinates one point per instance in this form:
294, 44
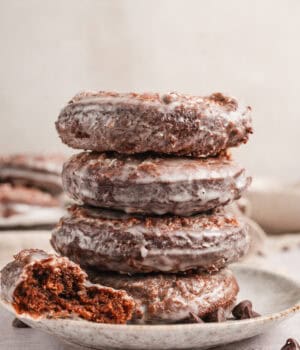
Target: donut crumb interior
59, 291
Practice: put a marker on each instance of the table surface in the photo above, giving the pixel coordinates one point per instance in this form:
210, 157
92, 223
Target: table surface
283, 255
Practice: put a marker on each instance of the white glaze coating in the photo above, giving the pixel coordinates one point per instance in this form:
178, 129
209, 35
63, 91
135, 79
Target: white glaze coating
166, 170
30, 175
112, 103
30, 215
180, 186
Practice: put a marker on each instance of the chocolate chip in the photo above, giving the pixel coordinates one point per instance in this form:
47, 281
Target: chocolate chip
291, 344
19, 324
195, 318
243, 310
218, 315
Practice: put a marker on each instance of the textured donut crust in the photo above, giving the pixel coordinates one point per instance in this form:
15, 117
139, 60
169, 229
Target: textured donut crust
112, 241
152, 184
165, 298
171, 123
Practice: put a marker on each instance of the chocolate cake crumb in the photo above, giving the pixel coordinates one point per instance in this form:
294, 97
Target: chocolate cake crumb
38, 284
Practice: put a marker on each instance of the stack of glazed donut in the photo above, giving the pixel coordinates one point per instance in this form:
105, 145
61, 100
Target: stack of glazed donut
151, 186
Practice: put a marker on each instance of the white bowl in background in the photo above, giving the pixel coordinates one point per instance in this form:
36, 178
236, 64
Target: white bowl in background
275, 205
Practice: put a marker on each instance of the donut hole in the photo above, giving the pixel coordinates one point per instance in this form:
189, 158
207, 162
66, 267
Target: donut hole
60, 291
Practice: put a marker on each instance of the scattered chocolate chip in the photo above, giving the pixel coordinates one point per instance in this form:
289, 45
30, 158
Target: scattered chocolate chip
218, 315
195, 318
291, 344
19, 324
243, 310
285, 248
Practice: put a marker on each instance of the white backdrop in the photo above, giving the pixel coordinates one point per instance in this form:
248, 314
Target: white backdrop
251, 49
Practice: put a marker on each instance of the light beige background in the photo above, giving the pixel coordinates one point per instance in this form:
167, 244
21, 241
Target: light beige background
249, 48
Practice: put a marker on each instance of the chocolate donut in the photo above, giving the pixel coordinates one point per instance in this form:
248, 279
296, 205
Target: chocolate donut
165, 298
164, 123
40, 171
43, 285
113, 241
151, 184
19, 200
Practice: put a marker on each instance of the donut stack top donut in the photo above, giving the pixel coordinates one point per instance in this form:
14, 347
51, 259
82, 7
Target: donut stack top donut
171, 123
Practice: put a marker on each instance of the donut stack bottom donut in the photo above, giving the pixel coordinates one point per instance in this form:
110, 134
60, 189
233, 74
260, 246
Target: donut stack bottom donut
142, 148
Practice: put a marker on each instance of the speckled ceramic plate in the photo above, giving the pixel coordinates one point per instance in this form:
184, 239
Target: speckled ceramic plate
274, 296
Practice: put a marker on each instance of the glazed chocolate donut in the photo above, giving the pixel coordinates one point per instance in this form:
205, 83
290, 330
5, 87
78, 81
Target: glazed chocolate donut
173, 123
16, 200
43, 285
40, 171
151, 184
113, 241
165, 298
